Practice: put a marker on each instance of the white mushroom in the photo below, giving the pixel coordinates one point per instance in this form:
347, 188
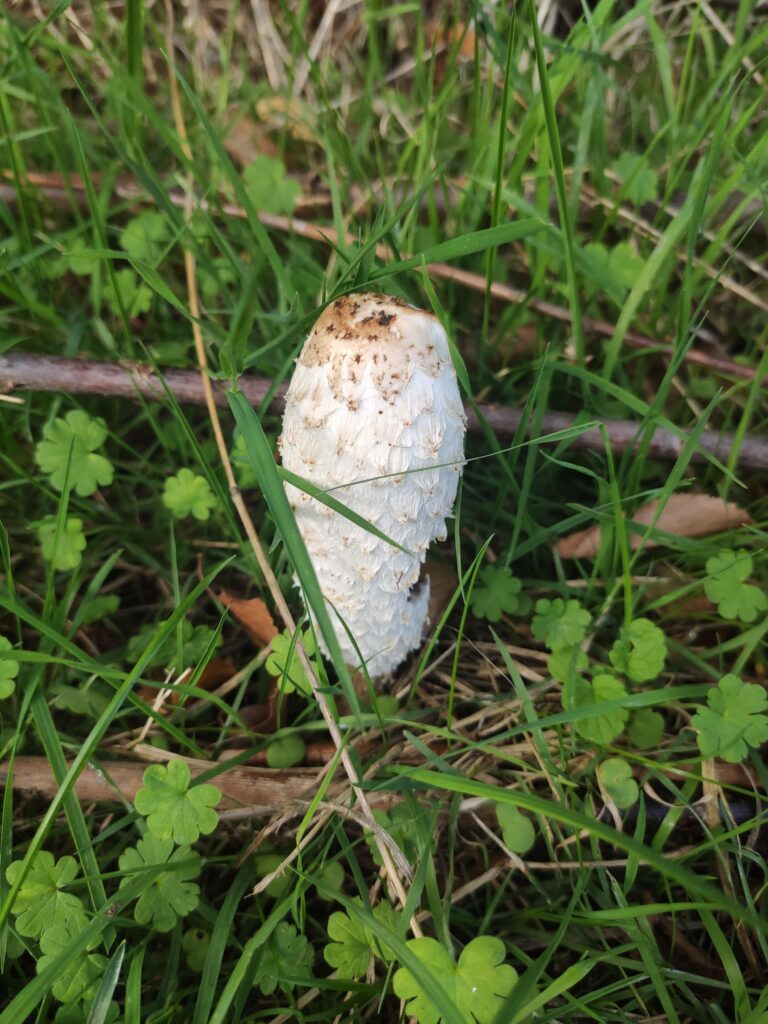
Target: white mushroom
373, 410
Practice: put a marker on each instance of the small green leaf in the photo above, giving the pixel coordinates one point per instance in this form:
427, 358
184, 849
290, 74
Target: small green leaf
195, 943
284, 663
65, 551
601, 728
478, 985
560, 623
136, 296
195, 641
517, 830
269, 187
42, 901
265, 864
354, 944
286, 960
566, 663
616, 779
331, 876
640, 651
172, 894
734, 721
613, 272
82, 265
79, 978
97, 608
186, 494
286, 751
246, 476
640, 183
9, 669
496, 592
725, 586
646, 728
144, 236
173, 809
82, 435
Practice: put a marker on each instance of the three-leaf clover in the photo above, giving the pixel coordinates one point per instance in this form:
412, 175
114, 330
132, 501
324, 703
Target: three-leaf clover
496, 592
173, 809
42, 902
616, 779
612, 271
286, 959
725, 586
284, 663
9, 669
477, 985
560, 623
66, 549
517, 831
172, 894
187, 494
286, 751
734, 721
354, 943
79, 975
605, 726
82, 435
269, 187
640, 651
195, 641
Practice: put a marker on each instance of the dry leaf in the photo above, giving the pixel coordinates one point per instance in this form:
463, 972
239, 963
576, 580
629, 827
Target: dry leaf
684, 515
253, 615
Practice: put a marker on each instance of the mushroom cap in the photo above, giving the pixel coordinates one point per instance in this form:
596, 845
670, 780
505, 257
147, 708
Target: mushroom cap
373, 412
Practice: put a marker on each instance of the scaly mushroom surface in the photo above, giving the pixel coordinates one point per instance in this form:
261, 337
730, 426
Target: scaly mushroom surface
373, 411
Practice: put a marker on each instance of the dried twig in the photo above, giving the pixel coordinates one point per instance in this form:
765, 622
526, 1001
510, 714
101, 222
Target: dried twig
23, 371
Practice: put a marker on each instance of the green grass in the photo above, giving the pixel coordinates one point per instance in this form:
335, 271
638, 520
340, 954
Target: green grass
610, 161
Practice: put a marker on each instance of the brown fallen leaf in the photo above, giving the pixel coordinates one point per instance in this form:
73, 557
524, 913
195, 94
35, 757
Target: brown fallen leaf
253, 615
684, 515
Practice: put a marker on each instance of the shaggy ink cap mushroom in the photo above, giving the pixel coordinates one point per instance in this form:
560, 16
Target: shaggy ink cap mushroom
373, 411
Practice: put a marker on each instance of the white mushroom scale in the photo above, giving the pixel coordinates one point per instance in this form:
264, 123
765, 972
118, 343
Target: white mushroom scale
373, 411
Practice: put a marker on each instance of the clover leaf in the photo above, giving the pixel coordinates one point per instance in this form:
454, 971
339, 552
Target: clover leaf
567, 662
640, 651
496, 592
398, 823
82, 435
195, 943
269, 187
64, 550
173, 809
612, 271
517, 830
283, 661
477, 985
9, 669
195, 641
286, 751
616, 779
354, 943
135, 295
42, 902
267, 862
560, 623
186, 494
286, 959
725, 586
734, 721
646, 728
144, 236
246, 474
640, 182
604, 727
172, 894
79, 975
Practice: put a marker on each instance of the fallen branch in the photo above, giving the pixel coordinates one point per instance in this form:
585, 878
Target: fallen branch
61, 190
22, 371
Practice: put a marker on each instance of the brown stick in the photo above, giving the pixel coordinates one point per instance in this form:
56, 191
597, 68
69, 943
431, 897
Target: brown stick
27, 372
260, 790
61, 190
